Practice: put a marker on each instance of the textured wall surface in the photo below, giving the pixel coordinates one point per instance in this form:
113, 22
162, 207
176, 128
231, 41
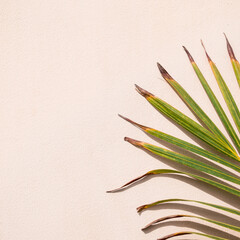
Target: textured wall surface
67, 68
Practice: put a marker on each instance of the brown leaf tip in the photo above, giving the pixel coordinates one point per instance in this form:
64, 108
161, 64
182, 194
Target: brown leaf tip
139, 209
163, 71
209, 59
188, 54
143, 92
163, 219
229, 48
134, 123
128, 183
133, 141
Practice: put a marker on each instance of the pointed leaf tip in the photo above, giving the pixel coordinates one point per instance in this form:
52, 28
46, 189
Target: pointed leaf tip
140, 208
188, 54
163, 71
134, 123
229, 48
129, 183
163, 219
143, 92
209, 59
121, 116
133, 141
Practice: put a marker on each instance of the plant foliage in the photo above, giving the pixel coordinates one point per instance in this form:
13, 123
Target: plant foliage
219, 150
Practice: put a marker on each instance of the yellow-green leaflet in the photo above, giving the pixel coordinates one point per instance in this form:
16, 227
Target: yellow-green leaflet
187, 123
193, 148
165, 171
214, 157
232, 106
183, 144
190, 162
162, 219
236, 69
217, 106
146, 206
201, 115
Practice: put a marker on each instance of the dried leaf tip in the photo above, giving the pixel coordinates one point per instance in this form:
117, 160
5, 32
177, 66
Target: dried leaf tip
164, 73
141, 208
229, 48
163, 219
129, 183
134, 123
209, 59
133, 141
143, 92
188, 54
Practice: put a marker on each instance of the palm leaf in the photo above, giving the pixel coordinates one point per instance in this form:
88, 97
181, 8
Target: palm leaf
193, 106
187, 123
222, 115
222, 224
184, 145
146, 206
224, 187
184, 160
232, 106
208, 132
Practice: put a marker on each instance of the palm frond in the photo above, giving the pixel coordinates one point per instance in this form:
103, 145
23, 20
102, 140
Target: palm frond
202, 116
206, 131
146, 206
162, 219
216, 184
232, 106
184, 145
187, 123
221, 113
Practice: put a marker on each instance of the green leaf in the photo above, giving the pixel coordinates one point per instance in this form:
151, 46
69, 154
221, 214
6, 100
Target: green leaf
183, 144
230, 210
187, 123
208, 132
187, 233
226, 188
218, 108
201, 115
222, 224
190, 162
232, 106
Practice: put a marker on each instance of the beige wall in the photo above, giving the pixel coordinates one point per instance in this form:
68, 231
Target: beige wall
67, 69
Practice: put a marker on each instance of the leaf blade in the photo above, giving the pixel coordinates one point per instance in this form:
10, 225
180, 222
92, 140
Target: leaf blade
170, 171
193, 106
183, 144
232, 106
190, 162
217, 106
222, 224
187, 123
146, 206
